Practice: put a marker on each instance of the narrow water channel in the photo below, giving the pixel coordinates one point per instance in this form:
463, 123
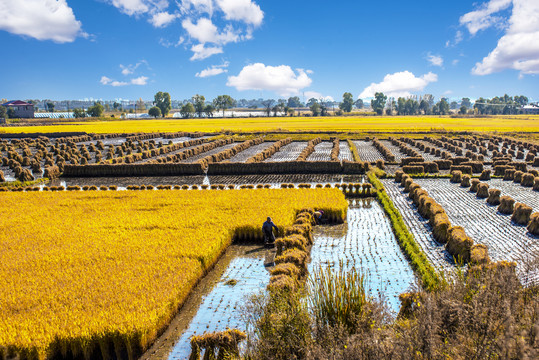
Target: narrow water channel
365, 242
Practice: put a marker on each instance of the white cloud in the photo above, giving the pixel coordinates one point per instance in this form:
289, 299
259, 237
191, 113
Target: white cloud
213, 70
40, 19
482, 18
141, 80
130, 69
280, 79
316, 95
197, 6
455, 62
204, 31
518, 48
242, 10
201, 52
168, 44
162, 19
435, 60
400, 84
138, 7
459, 36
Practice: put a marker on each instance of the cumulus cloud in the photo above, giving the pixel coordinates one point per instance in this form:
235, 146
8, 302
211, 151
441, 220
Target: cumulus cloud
242, 10
280, 79
235, 19
213, 70
162, 19
518, 48
435, 60
204, 31
201, 52
318, 96
142, 80
483, 18
400, 84
40, 19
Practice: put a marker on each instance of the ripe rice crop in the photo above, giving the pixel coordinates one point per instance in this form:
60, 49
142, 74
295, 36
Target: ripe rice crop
107, 270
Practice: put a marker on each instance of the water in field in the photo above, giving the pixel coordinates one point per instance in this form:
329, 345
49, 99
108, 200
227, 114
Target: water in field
365, 242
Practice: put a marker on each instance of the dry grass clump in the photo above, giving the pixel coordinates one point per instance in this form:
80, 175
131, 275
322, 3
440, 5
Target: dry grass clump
533, 226
494, 196
482, 191
507, 204
521, 214
384, 150
527, 180
465, 181
456, 176
485, 175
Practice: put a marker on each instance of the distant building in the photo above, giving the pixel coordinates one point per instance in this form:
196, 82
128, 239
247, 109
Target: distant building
21, 109
531, 109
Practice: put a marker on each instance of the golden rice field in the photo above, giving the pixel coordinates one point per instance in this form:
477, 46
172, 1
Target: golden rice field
512, 123
83, 270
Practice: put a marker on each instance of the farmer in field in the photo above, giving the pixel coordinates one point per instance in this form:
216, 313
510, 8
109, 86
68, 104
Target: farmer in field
267, 229
318, 215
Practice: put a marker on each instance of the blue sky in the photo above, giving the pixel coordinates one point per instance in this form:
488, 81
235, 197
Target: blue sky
111, 49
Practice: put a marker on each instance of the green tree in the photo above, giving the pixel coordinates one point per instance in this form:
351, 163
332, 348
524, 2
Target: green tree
463, 110
96, 110
79, 113
187, 110
401, 106
209, 110
347, 102
359, 104
163, 102
311, 102
443, 107
268, 105
199, 102
294, 102
315, 107
117, 106
466, 102
379, 102
10, 113
223, 102
424, 107
50, 106
155, 112
3, 112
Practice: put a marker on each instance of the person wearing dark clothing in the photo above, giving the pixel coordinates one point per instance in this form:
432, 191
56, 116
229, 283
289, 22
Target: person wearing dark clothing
267, 229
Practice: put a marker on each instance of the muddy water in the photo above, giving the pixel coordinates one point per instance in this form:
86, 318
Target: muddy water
367, 243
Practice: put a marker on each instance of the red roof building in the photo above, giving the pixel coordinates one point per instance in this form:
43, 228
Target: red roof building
21, 109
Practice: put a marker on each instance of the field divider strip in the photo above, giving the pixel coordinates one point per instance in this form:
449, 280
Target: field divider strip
429, 277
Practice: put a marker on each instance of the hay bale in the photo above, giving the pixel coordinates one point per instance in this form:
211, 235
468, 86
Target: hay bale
413, 169
479, 255
459, 244
494, 196
456, 176
398, 176
485, 175
527, 180
465, 169
404, 178
517, 177
444, 164
482, 191
441, 227
465, 181
536, 184
475, 184
506, 205
2, 178
533, 226
521, 214
509, 174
